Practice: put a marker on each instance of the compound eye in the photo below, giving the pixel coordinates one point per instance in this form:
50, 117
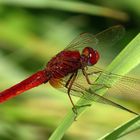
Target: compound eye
91, 55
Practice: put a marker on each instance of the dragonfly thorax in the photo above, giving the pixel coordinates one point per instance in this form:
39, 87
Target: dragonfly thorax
89, 56
64, 63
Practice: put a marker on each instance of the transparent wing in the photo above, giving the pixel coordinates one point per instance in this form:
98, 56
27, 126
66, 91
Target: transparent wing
81, 41
123, 84
83, 92
107, 37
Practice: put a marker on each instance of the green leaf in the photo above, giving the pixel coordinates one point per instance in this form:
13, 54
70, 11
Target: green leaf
124, 129
128, 59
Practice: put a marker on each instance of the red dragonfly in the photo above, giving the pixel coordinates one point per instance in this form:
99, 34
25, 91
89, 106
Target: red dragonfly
62, 69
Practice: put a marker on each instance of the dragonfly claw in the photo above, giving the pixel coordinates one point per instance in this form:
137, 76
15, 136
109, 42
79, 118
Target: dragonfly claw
75, 108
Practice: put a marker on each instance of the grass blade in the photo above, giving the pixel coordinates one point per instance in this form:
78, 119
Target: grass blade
124, 129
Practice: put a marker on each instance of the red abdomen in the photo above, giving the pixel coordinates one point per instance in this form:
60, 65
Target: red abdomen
34, 80
64, 63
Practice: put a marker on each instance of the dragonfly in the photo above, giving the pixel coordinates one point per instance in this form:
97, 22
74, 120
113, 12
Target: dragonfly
63, 69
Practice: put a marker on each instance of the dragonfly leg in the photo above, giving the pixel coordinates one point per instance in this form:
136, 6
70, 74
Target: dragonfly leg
68, 82
69, 86
86, 76
89, 82
84, 105
95, 72
90, 73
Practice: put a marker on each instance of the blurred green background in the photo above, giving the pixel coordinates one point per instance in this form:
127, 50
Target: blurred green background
33, 31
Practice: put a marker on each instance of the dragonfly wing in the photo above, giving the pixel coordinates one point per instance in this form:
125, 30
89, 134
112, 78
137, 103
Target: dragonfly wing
101, 99
82, 92
107, 37
81, 41
123, 84
110, 36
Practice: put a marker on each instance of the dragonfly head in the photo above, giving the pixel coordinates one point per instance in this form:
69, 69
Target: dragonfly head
89, 56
